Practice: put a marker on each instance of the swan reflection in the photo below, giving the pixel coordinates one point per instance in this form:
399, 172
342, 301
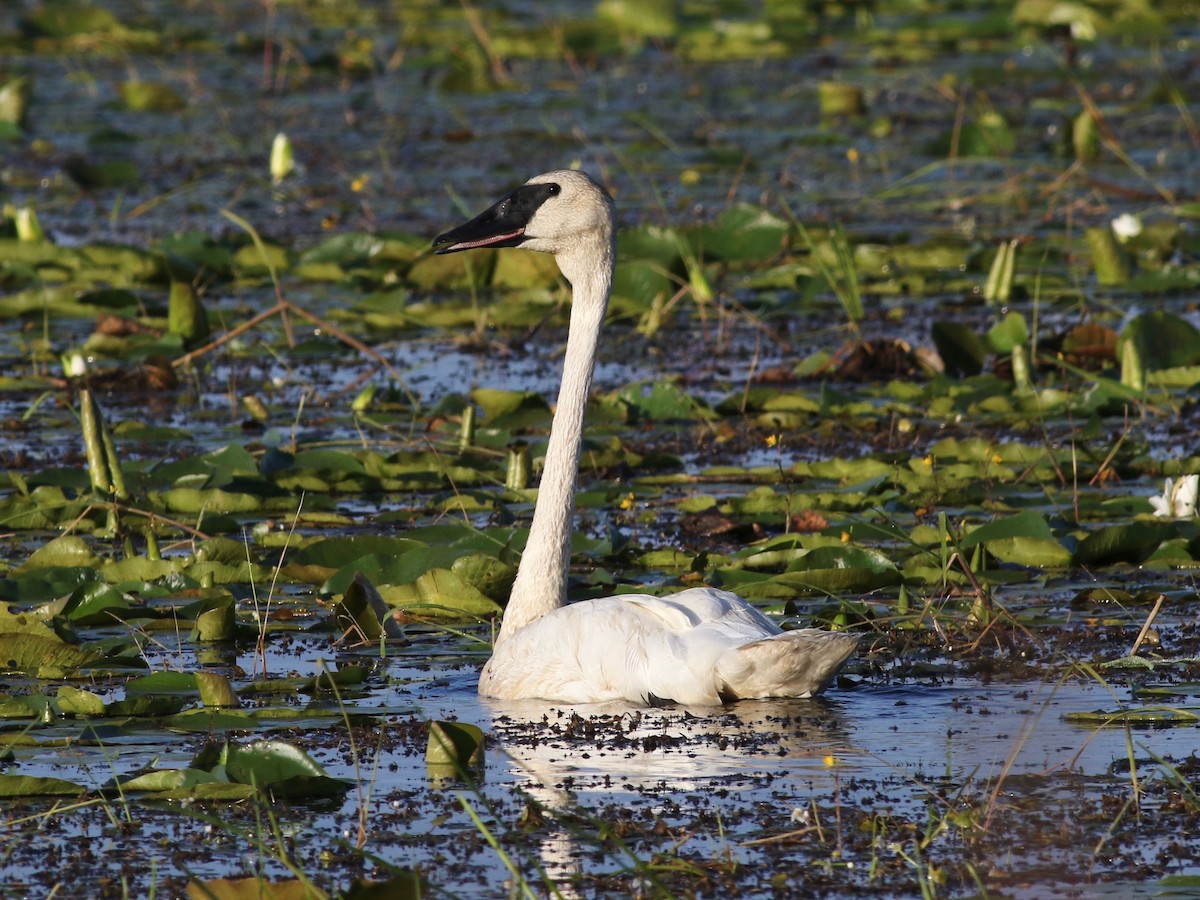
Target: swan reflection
579, 764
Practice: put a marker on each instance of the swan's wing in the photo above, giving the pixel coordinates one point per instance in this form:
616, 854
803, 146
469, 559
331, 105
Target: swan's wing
635, 647
792, 664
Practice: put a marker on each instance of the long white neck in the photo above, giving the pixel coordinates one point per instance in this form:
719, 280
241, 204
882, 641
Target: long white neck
541, 584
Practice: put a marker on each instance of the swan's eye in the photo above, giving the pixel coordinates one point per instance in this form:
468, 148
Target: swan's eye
553, 189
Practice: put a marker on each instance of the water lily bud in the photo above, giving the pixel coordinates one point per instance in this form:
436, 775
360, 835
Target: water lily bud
74, 365
283, 161
29, 227
364, 399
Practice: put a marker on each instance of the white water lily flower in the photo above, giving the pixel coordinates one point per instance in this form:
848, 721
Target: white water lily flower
1126, 226
1178, 498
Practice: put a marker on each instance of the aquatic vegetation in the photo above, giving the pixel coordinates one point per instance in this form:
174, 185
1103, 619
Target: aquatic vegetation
903, 339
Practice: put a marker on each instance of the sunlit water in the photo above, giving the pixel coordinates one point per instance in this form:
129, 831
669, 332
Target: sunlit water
731, 780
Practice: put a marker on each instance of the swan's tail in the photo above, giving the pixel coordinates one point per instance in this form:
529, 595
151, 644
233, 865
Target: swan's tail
792, 664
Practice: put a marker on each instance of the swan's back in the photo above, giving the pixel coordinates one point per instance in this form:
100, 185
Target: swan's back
699, 647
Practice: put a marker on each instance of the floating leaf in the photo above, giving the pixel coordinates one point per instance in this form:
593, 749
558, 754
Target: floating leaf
454, 271
148, 96
67, 550
76, 702
525, 270
161, 780
840, 569
1163, 340
639, 283
961, 349
1142, 715
660, 401
67, 20
405, 884
489, 575
836, 98
345, 676
458, 745
29, 653
1036, 552
30, 786
1026, 524
193, 501
362, 611
163, 683
743, 233
1132, 543
281, 767
216, 620
185, 314
146, 707
253, 888
498, 404
96, 603
215, 691
1009, 332
441, 593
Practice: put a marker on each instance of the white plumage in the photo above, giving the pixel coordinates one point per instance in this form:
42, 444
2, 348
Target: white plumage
700, 646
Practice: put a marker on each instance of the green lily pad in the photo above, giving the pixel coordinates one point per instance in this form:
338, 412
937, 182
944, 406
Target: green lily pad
68, 550
29, 653
440, 593
962, 350
149, 96
1131, 543
144, 706
166, 780
163, 683
76, 702
744, 233
282, 768
256, 888
455, 744
1163, 340
1027, 524
525, 270
660, 401
96, 603
1009, 332
1035, 552
193, 501
215, 691
29, 786
1142, 715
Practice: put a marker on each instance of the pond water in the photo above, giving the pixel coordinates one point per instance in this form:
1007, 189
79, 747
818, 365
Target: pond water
767, 794
950, 759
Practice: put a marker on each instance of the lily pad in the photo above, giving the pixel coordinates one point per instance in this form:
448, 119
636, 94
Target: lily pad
1131, 543
1142, 715
283, 768
455, 744
149, 96
440, 593
29, 653
744, 233
1163, 340
30, 786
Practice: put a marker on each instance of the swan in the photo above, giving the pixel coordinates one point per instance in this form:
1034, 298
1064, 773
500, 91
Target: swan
701, 646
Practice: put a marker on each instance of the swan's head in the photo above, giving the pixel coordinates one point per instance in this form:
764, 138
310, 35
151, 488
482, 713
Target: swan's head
556, 213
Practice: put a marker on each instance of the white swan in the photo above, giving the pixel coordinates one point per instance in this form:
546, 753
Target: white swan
701, 646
